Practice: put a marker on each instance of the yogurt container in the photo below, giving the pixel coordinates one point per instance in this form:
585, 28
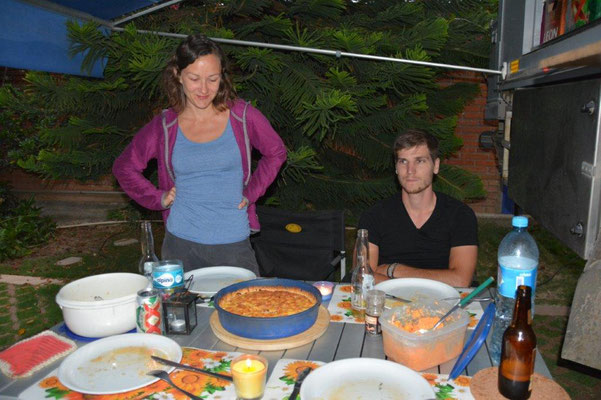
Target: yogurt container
168, 276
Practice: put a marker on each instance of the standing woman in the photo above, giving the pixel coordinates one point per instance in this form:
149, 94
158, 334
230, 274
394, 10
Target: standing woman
203, 145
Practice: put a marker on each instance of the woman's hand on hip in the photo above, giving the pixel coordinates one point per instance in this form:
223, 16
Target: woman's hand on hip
168, 198
243, 203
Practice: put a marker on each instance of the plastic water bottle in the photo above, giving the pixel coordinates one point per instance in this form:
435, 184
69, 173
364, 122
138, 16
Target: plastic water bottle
518, 265
363, 276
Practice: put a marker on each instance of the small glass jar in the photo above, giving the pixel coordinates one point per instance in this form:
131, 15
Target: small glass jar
375, 300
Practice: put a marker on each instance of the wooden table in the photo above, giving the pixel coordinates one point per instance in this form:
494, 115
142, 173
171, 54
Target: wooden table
340, 341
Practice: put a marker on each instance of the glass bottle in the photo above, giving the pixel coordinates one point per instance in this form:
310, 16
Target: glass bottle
518, 351
363, 277
148, 259
518, 265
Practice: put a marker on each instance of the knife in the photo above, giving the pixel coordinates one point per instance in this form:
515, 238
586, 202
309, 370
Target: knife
191, 368
398, 298
299, 380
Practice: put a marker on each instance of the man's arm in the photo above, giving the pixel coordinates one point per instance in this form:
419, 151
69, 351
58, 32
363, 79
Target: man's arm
462, 264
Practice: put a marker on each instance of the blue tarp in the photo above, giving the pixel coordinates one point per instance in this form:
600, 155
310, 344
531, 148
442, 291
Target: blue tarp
106, 9
35, 38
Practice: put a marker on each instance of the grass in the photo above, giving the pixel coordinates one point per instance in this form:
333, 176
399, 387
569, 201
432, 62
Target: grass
33, 309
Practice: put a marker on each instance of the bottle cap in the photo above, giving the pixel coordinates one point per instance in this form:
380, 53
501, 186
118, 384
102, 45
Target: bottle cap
520, 221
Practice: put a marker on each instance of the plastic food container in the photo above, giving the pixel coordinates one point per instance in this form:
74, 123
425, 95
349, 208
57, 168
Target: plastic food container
271, 327
405, 344
101, 305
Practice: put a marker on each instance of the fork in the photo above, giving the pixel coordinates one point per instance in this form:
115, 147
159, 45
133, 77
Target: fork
390, 296
159, 373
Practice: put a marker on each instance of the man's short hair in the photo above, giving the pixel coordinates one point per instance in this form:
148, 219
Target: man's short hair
415, 137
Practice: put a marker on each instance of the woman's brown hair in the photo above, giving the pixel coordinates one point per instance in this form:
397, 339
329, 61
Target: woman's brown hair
193, 47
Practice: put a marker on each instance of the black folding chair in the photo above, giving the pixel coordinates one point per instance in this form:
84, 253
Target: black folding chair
300, 245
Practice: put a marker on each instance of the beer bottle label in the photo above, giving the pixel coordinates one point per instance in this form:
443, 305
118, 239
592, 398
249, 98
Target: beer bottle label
532, 368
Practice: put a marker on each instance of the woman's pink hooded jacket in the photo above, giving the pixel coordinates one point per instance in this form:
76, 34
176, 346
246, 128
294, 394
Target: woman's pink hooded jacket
157, 139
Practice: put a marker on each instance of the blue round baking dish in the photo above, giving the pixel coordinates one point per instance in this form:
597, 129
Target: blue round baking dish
272, 327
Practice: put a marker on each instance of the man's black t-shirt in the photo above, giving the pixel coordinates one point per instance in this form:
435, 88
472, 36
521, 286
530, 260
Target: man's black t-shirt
389, 226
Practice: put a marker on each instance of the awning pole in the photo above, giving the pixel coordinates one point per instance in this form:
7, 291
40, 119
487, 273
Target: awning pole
335, 53
146, 11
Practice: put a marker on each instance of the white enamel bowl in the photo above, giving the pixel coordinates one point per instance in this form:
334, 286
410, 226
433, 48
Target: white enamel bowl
365, 378
101, 305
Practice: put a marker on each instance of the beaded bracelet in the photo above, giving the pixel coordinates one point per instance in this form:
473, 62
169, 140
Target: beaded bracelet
390, 270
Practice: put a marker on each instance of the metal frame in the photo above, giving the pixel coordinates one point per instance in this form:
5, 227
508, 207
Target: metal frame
337, 53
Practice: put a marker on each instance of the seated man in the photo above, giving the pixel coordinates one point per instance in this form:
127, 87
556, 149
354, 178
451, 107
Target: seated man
420, 233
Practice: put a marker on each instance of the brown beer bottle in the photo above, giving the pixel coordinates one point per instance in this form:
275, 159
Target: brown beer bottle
518, 350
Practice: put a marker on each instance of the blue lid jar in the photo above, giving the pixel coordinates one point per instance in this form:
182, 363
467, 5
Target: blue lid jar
168, 274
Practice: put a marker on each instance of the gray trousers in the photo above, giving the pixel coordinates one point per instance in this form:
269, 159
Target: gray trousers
195, 255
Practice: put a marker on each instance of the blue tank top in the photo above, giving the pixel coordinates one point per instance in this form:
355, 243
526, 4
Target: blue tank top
208, 182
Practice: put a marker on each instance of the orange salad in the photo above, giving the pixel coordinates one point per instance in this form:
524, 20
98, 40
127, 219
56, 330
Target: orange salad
417, 320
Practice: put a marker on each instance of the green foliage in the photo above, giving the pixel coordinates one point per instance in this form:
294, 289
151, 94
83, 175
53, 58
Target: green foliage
338, 116
457, 182
21, 226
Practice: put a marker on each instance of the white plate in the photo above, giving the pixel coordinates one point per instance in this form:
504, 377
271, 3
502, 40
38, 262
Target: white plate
365, 378
409, 288
210, 280
117, 364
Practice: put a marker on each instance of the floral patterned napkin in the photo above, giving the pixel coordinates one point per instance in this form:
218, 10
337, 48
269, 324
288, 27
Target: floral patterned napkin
445, 389
340, 306
279, 385
341, 311
202, 385
282, 379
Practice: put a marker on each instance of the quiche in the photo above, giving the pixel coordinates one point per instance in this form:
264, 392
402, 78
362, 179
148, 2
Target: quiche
267, 301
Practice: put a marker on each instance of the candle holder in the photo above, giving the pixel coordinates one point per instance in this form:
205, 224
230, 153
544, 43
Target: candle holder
179, 312
325, 288
249, 372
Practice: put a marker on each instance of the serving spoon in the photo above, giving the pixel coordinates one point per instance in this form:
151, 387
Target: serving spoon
163, 375
465, 300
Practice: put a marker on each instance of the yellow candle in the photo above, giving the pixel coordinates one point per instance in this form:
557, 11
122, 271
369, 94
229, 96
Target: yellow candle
248, 366
249, 372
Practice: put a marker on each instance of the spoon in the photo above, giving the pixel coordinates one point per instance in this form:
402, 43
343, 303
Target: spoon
478, 300
159, 373
465, 300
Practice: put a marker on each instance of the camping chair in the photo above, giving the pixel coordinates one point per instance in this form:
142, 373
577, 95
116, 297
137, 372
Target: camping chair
300, 245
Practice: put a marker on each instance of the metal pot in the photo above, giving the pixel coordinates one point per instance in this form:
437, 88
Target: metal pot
272, 327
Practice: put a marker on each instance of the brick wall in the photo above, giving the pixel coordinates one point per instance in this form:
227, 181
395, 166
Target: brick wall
10, 76
471, 157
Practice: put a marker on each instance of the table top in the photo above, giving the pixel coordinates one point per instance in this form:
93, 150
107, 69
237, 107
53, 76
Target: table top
340, 341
